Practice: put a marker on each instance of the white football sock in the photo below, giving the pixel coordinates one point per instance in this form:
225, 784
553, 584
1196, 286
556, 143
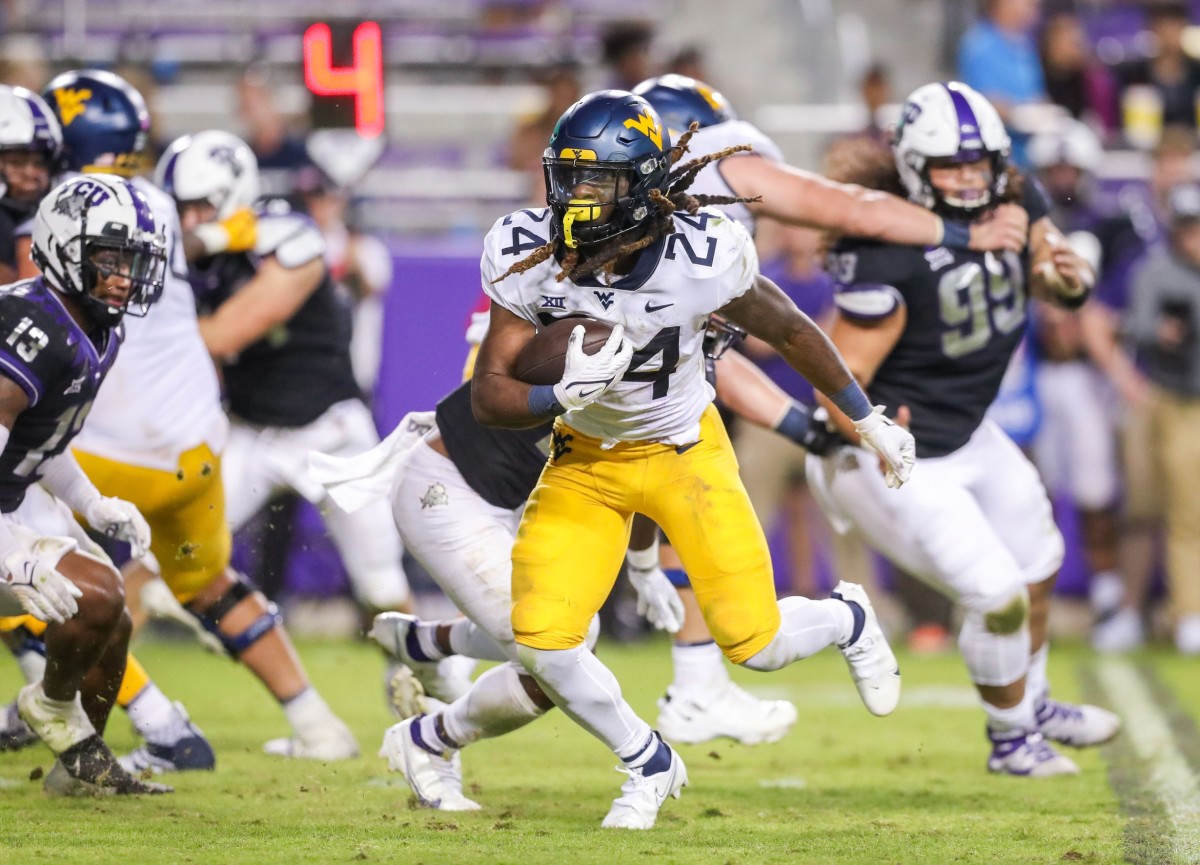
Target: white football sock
496, 704
1036, 682
806, 627
32, 664
588, 693
155, 718
470, 640
308, 713
698, 666
1018, 717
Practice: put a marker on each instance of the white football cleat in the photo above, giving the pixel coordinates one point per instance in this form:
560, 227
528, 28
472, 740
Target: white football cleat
873, 666
642, 795
446, 679
1027, 755
334, 742
435, 778
1187, 635
59, 728
1123, 631
692, 717
1077, 726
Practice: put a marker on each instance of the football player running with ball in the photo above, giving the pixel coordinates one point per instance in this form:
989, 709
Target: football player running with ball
637, 432
932, 329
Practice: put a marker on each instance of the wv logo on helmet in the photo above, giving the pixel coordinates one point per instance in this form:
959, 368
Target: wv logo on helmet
71, 103
646, 125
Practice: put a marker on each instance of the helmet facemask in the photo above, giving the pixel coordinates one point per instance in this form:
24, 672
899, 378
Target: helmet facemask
968, 203
141, 262
596, 201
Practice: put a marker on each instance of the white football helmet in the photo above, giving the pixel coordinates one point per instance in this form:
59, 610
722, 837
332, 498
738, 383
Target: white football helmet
1070, 142
28, 124
212, 166
91, 226
949, 122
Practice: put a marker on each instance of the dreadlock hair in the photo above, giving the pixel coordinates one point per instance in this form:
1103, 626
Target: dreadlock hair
605, 257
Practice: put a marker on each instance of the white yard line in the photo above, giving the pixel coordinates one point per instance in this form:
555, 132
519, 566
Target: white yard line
1168, 775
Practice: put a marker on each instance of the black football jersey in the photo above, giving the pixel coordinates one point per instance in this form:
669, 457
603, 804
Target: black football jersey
966, 314
12, 214
58, 366
502, 465
291, 376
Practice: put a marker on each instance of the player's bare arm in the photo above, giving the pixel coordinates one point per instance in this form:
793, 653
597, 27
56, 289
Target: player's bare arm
13, 401
863, 345
1057, 273
268, 300
766, 312
748, 392
497, 398
796, 196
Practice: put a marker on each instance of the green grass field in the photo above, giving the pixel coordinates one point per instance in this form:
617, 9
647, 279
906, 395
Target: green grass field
843, 787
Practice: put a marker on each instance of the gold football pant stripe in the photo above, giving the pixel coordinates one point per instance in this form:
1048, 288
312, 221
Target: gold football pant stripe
575, 529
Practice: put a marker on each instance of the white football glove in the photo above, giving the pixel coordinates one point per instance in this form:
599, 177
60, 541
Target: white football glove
587, 376
658, 600
118, 519
894, 443
43, 592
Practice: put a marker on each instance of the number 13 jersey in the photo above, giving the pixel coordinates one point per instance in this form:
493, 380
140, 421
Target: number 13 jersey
965, 316
708, 261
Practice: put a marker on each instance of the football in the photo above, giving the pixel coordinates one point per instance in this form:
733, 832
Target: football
543, 358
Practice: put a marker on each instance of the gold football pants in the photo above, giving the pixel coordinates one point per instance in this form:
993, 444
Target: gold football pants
575, 529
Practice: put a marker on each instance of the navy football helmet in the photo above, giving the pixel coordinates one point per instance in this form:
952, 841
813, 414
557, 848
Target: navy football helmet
606, 154
104, 120
680, 100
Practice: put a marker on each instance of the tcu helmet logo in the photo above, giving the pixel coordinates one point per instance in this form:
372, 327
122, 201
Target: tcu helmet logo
73, 201
910, 113
226, 156
648, 126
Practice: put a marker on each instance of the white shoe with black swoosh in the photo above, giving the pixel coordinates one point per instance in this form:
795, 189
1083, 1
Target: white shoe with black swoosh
873, 666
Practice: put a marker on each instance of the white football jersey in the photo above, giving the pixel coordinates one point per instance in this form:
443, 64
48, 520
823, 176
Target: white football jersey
161, 397
712, 139
709, 261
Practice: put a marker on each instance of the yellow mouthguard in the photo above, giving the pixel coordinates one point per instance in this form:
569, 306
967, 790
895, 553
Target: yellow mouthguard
581, 210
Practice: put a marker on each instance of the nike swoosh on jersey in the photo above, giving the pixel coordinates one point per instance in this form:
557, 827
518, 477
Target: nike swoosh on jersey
652, 308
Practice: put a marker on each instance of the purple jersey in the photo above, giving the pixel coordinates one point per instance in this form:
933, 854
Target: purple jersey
58, 366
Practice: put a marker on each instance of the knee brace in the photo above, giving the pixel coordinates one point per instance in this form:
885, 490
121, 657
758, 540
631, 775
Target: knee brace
995, 643
1010, 617
211, 618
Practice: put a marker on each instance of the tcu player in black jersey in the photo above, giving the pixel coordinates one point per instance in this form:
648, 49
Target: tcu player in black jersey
30, 141
97, 244
932, 329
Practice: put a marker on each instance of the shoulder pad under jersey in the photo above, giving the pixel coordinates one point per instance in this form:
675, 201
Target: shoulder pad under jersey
711, 139
293, 238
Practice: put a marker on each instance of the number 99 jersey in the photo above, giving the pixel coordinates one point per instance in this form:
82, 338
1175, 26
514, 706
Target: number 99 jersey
708, 261
966, 315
